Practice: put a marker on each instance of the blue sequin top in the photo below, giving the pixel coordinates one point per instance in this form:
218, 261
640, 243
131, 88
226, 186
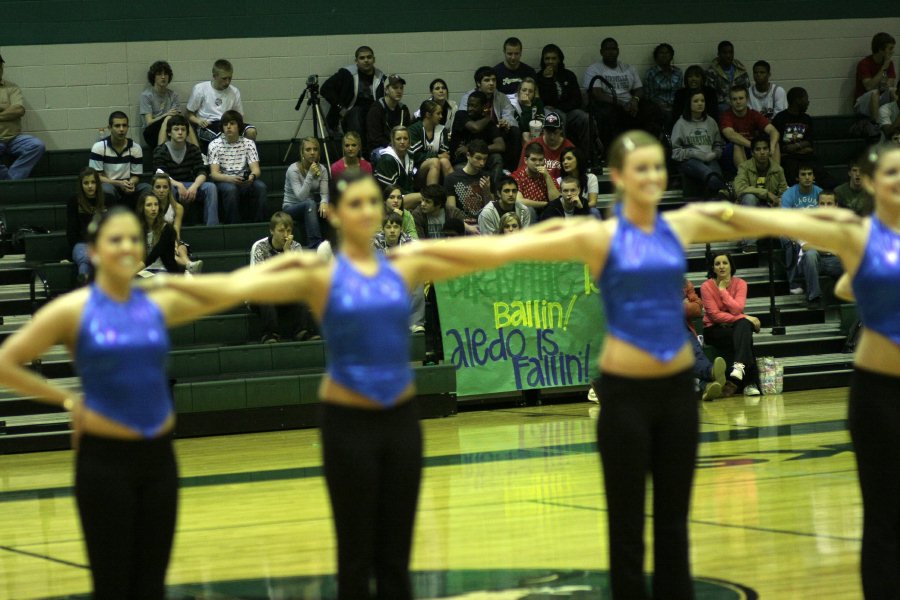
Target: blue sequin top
121, 358
642, 288
876, 284
366, 328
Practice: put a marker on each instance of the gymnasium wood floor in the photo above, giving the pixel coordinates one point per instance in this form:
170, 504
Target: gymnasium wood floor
509, 495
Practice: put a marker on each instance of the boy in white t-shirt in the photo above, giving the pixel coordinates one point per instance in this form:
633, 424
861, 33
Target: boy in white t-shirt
210, 99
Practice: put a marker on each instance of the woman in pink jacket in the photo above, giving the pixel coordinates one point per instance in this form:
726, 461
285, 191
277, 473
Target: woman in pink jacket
725, 326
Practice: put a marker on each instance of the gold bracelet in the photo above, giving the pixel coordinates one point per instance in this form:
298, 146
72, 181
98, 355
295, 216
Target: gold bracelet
727, 214
68, 403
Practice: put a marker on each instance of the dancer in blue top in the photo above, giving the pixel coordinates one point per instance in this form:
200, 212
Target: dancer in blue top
126, 480
648, 418
371, 441
870, 252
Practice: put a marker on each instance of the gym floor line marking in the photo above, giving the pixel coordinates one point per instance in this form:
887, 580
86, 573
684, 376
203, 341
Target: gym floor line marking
716, 524
60, 561
456, 459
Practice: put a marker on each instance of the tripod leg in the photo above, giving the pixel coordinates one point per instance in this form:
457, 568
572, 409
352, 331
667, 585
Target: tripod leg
320, 131
296, 133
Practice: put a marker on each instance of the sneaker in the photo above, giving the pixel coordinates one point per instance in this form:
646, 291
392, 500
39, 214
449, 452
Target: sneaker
269, 338
718, 371
748, 248
301, 335
195, 266
737, 371
592, 396
814, 304
417, 329
712, 391
729, 389
796, 291
751, 390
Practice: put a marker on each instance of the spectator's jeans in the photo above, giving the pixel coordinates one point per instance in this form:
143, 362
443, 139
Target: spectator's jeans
791, 257
814, 264
307, 212
863, 104
209, 195
749, 200
702, 366
709, 174
417, 314
26, 150
80, 258
254, 194
115, 196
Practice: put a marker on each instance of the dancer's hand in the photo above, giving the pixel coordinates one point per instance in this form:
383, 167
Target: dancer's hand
835, 215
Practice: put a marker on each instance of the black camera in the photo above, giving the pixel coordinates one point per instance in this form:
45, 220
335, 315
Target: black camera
312, 80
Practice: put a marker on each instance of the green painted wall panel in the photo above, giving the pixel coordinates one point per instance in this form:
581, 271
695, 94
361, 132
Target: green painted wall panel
63, 21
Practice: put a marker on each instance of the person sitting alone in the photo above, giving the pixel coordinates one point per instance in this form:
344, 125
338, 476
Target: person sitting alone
294, 321
697, 146
815, 263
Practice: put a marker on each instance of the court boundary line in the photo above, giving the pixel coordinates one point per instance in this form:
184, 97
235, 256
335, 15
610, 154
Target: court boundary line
61, 561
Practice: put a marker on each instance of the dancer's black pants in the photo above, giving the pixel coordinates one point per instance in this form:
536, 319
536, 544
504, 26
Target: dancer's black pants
127, 494
874, 419
648, 427
373, 466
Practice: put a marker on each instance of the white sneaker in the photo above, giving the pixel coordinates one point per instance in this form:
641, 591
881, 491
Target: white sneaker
796, 291
417, 329
737, 371
195, 266
592, 396
751, 390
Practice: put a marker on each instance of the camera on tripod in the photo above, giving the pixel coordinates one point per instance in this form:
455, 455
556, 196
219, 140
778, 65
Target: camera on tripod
312, 81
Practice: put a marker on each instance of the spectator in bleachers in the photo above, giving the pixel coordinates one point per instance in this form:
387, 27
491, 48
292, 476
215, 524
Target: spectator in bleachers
875, 77
895, 139
853, 195
617, 91
433, 213
795, 128
491, 217
160, 236
120, 163
158, 103
385, 114
468, 188
25, 149
559, 90
391, 236
697, 146
662, 80
395, 167
568, 204
293, 318
173, 214
234, 167
501, 112
554, 142
352, 91
709, 376
440, 93
182, 162
510, 223
803, 194
528, 108
766, 98
351, 161
81, 208
210, 100
725, 325
739, 125
512, 71
693, 82
306, 191
429, 144
814, 263
725, 74
393, 200
573, 164
537, 187
476, 124
889, 116
759, 181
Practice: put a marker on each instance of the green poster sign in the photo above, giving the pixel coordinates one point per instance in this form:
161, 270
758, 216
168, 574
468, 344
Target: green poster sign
524, 326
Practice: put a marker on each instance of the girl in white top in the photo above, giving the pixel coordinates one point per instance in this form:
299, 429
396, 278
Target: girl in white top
306, 191
173, 214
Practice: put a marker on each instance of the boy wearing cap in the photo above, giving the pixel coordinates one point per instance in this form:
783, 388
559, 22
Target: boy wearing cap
554, 143
26, 150
388, 112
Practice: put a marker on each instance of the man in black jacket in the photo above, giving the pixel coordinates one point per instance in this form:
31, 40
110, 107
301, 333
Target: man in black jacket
568, 204
352, 91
